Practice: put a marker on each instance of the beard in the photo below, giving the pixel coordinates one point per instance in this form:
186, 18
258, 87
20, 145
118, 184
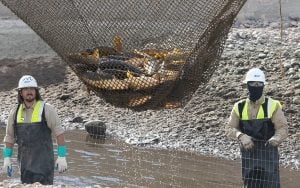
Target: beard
29, 98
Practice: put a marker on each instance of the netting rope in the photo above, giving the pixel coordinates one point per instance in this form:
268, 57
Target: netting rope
137, 54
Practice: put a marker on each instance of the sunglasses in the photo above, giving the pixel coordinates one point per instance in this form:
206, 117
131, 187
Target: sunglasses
256, 84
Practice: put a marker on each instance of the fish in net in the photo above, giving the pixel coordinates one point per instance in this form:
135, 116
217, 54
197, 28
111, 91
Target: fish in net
136, 54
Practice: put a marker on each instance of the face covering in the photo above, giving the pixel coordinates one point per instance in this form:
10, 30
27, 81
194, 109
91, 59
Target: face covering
255, 92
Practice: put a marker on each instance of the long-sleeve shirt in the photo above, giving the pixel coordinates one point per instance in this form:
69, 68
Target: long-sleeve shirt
278, 119
53, 121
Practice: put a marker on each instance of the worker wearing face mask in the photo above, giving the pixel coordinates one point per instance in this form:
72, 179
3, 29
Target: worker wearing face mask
258, 123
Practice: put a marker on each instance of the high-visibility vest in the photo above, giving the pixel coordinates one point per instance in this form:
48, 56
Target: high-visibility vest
266, 110
36, 115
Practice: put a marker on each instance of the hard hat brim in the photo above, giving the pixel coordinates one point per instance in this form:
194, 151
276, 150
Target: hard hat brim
245, 82
19, 88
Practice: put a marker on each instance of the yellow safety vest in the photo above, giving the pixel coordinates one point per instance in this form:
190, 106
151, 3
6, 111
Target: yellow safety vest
36, 115
271, 107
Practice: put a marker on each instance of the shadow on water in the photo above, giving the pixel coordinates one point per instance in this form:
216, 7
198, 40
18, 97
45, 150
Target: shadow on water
111, 163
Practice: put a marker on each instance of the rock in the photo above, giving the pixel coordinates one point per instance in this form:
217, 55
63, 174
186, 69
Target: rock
262, 56
297, 92
77, 120
295, 62
242, 35
297, 53
65, 97
275, 25
294, 18
288, 93
95, 128
296, 100
287, 65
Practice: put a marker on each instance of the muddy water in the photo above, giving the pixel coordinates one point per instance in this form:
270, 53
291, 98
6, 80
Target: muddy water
107, 162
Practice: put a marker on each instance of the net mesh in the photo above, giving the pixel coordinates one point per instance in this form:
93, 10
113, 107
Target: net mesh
137, 54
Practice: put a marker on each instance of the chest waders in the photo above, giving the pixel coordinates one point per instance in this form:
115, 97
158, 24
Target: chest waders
35, 150
260, 165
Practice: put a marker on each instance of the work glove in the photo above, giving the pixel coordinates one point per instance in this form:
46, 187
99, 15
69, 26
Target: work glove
61, 162
246, 141
7, 166
273, 141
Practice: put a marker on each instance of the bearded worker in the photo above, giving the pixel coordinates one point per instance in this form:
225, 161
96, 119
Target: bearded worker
31, 124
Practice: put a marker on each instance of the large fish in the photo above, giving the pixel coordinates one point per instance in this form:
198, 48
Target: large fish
118, 68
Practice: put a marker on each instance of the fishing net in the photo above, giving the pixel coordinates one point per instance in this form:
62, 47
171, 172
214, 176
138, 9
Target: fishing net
139, 54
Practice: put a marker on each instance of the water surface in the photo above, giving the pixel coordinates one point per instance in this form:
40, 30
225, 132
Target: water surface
112, 163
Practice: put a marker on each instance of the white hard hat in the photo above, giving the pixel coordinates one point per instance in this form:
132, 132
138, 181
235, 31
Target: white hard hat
255, 75
27, 81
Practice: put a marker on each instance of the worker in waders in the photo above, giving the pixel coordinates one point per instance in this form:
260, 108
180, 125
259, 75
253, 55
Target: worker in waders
30, 125
259, 124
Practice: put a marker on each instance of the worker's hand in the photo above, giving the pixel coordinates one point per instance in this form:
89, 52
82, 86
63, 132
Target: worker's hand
61, 164
273, 142
246, 141
7, 167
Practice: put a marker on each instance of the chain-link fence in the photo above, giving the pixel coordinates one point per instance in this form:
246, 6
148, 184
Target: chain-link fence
137, 54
